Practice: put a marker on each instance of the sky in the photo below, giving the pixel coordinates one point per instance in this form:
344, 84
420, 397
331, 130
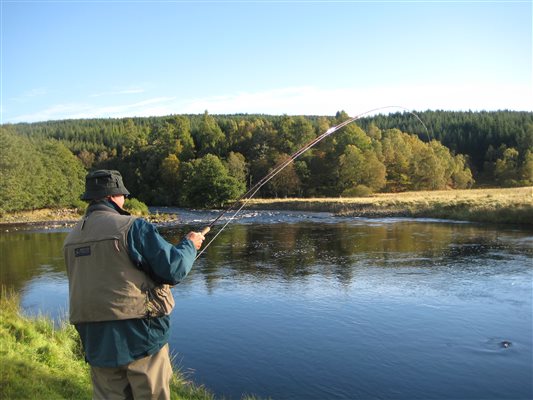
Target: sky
114, 59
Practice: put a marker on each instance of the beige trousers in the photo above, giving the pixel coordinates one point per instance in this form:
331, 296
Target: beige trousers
146, 378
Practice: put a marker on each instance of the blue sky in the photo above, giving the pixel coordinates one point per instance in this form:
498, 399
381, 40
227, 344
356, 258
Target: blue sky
86, 59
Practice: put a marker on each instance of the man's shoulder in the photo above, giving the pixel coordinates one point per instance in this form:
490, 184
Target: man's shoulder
141, 227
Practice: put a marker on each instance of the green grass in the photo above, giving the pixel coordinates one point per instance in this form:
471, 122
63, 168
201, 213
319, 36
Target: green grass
40, 361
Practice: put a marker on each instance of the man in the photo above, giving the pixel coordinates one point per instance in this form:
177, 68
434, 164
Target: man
119, 270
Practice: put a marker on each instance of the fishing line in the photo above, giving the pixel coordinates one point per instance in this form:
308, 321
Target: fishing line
246, 197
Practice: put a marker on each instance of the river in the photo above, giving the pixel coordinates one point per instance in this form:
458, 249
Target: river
292, 305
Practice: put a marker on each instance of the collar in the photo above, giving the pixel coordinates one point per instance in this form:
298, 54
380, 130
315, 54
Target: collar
105, 205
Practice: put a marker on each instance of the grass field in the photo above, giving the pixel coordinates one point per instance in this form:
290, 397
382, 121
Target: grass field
41, 361
513, 205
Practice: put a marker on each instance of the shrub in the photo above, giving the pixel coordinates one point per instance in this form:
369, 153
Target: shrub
136, 207
358, 191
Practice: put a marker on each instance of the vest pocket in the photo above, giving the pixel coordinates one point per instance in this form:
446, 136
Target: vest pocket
159, 301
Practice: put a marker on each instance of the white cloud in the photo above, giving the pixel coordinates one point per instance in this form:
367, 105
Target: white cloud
126, 110
58, 111
313, 101
83, 110
118, 92
307, 100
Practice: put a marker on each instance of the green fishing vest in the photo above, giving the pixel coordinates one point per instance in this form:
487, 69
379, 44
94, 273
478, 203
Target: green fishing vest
104, 284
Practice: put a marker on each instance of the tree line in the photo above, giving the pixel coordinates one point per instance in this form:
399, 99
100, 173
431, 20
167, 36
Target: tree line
485, 137
37, 173
207, 160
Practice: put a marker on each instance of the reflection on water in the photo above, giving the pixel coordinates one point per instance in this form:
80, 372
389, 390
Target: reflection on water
293, 251
304, 306
26, 255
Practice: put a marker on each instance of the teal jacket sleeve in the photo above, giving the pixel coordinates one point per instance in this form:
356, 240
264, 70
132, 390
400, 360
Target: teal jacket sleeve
162, 261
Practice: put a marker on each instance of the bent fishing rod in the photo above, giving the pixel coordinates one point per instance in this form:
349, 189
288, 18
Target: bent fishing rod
241, 202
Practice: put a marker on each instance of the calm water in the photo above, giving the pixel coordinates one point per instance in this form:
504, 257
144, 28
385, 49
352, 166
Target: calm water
309, 306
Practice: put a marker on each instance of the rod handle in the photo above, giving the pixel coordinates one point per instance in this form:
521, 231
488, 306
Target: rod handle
205, 230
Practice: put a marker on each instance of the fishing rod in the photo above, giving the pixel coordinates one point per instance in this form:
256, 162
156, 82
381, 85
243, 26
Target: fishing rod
241, 202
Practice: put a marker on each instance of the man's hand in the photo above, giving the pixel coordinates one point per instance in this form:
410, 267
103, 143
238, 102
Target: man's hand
197, 238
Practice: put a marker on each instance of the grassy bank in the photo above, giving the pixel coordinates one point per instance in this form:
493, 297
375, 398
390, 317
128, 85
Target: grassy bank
513, 205
60, 217
57, 215
39, 361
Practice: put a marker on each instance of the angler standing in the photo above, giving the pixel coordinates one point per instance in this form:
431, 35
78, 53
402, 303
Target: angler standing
120, 271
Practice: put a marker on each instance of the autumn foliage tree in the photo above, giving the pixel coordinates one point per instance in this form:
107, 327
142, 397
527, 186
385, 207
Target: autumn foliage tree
208, 160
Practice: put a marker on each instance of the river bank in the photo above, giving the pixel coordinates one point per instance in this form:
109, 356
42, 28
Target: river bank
54, 218
41, 361
508, 206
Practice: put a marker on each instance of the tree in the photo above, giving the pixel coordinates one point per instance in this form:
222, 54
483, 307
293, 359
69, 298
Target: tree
506, 169
304, 174
526, 170
63, 177
261, 143
397, 154
444, 158
181, 129
205, 182
209, 137
426, 172
374, 175
236, 165
294, 132
37, 174
86, 158
172, 136
461, 176
374, 132
286, 182
170, 178
18, 182
351, 164
352, 135
133, 137
360, 168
